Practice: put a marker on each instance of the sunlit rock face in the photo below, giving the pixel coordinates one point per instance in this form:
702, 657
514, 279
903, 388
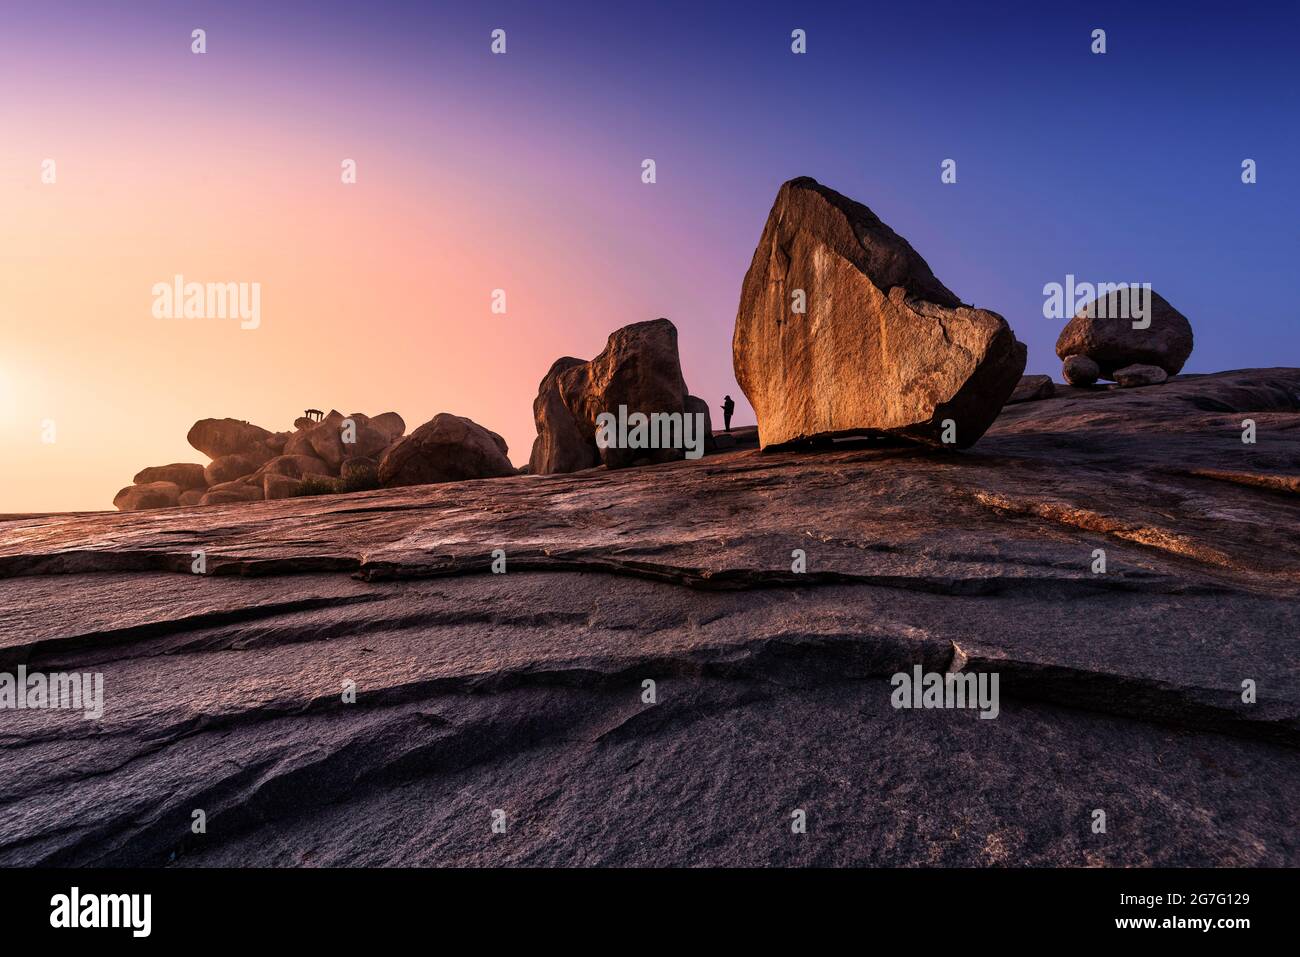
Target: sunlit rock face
881, 347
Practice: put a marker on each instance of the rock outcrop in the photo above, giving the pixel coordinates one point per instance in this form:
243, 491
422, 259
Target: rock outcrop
145, 495
218, 437
1120, 690
1103, 331
882, 347
240, 490
1031, 388
185, 475
1136, 375
296, 466
639, 370
231, 467
276, 486
250, 464
447, 448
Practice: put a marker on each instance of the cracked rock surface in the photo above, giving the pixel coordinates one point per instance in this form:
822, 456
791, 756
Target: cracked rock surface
524, 692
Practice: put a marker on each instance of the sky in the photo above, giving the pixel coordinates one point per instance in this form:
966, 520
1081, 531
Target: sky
522, 172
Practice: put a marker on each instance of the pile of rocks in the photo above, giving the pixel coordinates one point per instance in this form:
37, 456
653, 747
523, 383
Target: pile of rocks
1101, 342
335, 454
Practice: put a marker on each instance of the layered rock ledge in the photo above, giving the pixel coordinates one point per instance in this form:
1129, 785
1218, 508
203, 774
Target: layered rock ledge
524, 691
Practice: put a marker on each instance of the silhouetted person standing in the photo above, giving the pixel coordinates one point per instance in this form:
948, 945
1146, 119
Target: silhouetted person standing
728, 407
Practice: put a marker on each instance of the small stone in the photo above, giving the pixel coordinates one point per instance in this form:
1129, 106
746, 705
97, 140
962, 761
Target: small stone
1136, 375
1080, 370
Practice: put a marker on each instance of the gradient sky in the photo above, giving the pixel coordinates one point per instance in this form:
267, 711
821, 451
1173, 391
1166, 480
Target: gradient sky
522, 172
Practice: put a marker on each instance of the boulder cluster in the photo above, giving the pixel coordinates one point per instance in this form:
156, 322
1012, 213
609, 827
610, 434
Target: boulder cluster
335, 454
843, 330
638, 369
1102, 341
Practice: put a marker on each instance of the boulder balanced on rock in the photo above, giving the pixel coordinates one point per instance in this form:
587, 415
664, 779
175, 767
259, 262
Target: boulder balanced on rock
638, 370
844, 330
1109, 334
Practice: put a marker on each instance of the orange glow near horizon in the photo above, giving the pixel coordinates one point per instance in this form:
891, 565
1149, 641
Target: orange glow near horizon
374, 297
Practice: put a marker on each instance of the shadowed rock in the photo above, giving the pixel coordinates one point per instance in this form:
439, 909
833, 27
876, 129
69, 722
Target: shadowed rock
184, 474
358, 473
230, 467
295, 466
638, 369
245, 455
279, 486
447, 448
390, 425
1080, 370
248, 489
218, 437
1136, 375
135, 498
561, 445
1031, 388
1103, 331
883, 347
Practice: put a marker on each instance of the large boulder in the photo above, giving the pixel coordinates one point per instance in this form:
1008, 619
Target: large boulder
295, 466
135, 498
218, 437
1103, 331
237, 491
359, 474
638, 371
229, 467
300, 443
1032, 388
883, 346
279, 486
447, 448
326, 440
1137, 375
362, 439
390, 424
186, 475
